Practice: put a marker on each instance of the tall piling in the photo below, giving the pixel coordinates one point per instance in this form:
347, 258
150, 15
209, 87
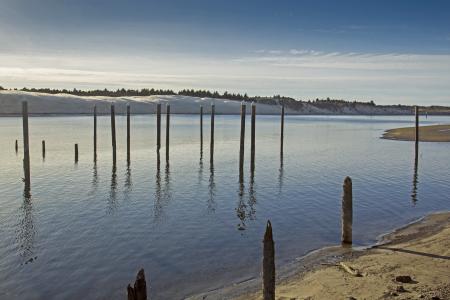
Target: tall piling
282, 130
242, 143
76, 153
113, 132
26, 146
16, 146
253, 146
95, 133
167, 131
347, 211
158, 127
417, 126
268, 272
201, 131
43, 149
211, 147
128, 135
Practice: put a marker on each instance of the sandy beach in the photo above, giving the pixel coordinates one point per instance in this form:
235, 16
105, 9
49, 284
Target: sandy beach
410, 263
433, 133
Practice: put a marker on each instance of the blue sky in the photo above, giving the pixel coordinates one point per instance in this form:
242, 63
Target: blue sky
386, 51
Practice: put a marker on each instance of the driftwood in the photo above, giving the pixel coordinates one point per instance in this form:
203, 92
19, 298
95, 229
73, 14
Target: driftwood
139, 291
350, 270
347, 211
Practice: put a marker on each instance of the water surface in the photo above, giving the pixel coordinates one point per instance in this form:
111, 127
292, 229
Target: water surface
87, 228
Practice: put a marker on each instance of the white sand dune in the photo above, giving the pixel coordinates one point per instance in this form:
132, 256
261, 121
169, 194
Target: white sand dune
39, 103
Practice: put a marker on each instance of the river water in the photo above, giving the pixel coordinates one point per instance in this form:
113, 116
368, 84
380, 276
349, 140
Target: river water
87, 228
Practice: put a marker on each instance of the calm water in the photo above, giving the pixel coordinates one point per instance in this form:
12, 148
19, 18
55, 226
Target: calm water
86, 230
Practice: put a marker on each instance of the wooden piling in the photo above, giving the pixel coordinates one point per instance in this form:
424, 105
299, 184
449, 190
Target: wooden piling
268, 264
347, 211
211, 148
43, 149
128, 135
253, 131
417, 124
158, 126
76, 153
17, 146
201, 130
282, 130
167, 131
139, 291
113, 132
95, 133
242, 142
26, 146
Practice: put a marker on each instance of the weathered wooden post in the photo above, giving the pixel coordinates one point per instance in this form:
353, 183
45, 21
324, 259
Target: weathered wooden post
268, 264
417, 124
139, 291
17, 147
167, 131
43, 149
242, 143
26, 146
158, 126
201, 130
95, 133
347, 211
253, 131
113, 132
282, 130
211, 148
128, 135
76, 153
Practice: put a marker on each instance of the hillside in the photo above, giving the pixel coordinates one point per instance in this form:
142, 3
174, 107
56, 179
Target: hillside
41, 103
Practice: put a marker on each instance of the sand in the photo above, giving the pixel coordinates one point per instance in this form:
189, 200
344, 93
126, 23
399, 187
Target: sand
433, 133
421, 251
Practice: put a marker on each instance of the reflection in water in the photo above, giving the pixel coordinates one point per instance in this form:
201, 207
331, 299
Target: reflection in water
112, 203
241, 207
280, 173
162, 192
415, 176
251, 197
211, 190
128, 182
26, 231
94, 176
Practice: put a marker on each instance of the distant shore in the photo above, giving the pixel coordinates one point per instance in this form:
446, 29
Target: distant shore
433, 133
420, 250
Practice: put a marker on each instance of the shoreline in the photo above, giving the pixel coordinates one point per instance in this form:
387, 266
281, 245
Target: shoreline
430, 133
325, 260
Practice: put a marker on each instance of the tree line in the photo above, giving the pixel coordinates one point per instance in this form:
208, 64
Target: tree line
276, 99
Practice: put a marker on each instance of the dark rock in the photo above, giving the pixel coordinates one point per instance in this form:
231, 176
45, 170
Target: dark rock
403, 279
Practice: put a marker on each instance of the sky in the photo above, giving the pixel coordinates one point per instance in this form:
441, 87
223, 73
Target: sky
391, 52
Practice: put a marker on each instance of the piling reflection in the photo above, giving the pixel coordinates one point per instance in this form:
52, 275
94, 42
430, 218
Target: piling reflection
211, 190
280, 173
163, 193
128, 182
415, 177
112, 201
241, 207
94, 176
251, 197
26, 230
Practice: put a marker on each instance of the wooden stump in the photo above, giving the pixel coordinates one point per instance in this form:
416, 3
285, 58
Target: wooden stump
26, 146
211, 147
282, 130
158, 127
128, 136
167, 131
242, 143
253, 137
76, 153
268, 264
347, 211
113, 132
43, 149
139, 290
95, 133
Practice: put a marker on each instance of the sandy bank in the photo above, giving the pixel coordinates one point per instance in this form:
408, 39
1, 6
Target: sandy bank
420, 250
433, 133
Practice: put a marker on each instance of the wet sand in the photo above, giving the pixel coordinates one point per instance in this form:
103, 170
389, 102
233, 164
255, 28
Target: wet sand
420, 250
433, 133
